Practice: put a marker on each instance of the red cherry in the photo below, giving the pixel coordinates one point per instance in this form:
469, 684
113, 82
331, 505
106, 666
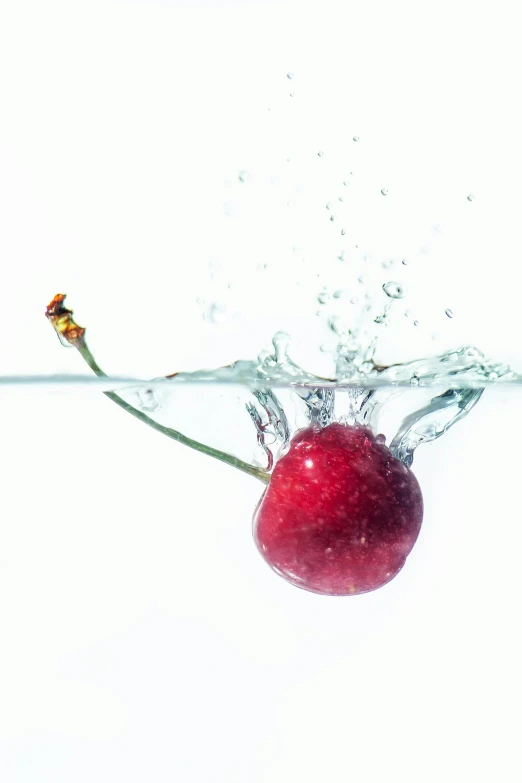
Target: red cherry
340, 514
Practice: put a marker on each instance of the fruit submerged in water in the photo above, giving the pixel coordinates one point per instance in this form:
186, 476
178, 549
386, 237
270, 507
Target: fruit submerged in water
340, 514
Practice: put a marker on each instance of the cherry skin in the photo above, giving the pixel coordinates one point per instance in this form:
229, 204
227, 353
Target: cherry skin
340, 514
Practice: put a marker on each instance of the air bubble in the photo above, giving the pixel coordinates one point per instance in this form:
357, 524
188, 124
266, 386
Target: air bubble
393, 290
384, 191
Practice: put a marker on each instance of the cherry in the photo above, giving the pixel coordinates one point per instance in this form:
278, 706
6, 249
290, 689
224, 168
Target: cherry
340, 514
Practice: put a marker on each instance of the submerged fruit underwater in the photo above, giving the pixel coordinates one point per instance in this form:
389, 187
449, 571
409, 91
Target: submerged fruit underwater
340, 514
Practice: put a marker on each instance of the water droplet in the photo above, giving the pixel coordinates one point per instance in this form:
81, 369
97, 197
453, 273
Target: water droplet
380, 438
384, 191
320, 154
281, 341
325, 348
492, 375
379, 319
329, 205
345, 183
323, 297
289, 75
291, 94
387, 264
338, 294
332, 218
243, 176
415, 323
356, 138
471, 197
215, 314
393, 290
341, 198
341, 257
404, 262
354, 300
449, 313
414, 380
343, 231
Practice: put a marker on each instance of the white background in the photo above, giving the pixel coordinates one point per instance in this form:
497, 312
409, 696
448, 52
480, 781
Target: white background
142, 637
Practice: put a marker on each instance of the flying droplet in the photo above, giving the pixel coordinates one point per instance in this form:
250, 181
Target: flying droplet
356, 138
354, 300
414, 380
332, 218
341, 198
384, 191
338, 293
289, 75
243, 176
215, 314
471, 197
320, 154
291, 94
387, 264
415, 323
329, 205
343, 231
449, 313
393, 290
345, 183
323, 297
281, 342
404, 262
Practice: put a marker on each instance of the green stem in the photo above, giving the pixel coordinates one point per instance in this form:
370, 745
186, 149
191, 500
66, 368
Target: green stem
260, 474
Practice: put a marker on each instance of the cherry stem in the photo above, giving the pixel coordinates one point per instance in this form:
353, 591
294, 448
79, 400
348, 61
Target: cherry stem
65, 326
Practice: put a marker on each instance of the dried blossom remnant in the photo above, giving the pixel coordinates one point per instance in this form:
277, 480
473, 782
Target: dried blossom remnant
63, 322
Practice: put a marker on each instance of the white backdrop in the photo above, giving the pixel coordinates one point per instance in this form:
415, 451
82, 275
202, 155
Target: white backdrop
142, 636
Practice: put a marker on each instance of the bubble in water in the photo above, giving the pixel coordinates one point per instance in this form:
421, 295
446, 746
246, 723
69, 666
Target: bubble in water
323, 297
243, 176
289, 75
320, 154
414, 380
449, 313
356, 138
470, 197
148, 400
384, 191
393, 290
